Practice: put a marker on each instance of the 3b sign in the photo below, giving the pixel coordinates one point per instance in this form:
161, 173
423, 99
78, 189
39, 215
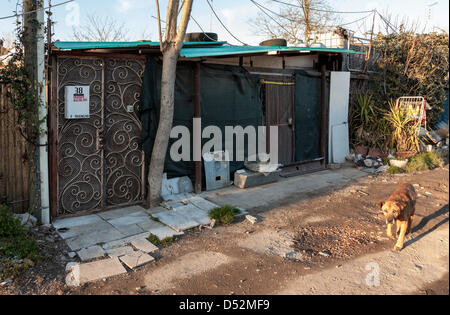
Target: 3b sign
77, 102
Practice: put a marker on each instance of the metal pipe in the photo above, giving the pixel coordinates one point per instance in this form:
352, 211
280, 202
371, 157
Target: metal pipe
323, 111
197, 114
43, 150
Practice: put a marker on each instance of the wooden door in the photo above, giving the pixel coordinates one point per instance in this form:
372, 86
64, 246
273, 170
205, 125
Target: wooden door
279, 111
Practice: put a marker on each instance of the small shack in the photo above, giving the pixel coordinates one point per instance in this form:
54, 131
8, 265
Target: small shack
98, 160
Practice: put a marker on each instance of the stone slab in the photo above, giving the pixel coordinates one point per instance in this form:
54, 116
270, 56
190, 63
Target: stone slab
91, 253
144, 245
130, 230
133, 218
175, 220
192, 212
159, 230
73, 222
165, 232
136, 259
155, 210
94, 238
124, 241
98, 270
120, 251
86, 229
202, 204
114, 214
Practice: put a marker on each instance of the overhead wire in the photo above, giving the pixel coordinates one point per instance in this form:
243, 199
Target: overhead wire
223, 25
322, 10
33, 11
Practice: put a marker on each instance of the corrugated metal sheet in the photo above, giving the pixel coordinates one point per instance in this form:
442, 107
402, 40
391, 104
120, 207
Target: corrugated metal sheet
111, 45
200, 49
244, 50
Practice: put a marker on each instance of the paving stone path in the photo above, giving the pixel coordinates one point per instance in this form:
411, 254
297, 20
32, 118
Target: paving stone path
120, 236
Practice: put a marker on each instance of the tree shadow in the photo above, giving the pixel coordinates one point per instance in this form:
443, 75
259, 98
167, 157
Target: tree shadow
425, 221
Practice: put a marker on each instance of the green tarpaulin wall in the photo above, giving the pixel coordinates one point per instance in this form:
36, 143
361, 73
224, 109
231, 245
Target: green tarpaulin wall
230, 96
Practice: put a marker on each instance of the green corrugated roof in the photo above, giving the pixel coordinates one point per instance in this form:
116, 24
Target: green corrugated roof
244, 50
199, 49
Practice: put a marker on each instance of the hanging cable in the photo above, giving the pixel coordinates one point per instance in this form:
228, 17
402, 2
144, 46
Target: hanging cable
388, 23
23, 14
296, 21
321, 10
223, 25
192, 17
262, 10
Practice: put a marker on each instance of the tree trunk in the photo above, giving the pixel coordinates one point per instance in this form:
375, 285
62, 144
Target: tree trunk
170, 50
164, 127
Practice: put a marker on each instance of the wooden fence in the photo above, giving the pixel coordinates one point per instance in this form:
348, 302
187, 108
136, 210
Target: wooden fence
14, 158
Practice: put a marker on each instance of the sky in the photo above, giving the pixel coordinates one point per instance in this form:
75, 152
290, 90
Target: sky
136, 16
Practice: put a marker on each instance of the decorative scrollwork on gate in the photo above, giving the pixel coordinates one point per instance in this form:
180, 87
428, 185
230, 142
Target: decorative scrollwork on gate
100, 161
80, 170
123, 157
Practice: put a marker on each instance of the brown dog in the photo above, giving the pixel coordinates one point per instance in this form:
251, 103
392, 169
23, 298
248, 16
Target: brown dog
400, 206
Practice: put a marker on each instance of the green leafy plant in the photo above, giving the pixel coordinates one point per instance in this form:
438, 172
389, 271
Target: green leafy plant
164, 242
405, 136
395, 170
14, 244
368, 125
224, 214
411, 64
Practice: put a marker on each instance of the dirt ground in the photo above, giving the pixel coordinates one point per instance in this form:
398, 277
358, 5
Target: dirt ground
325, 243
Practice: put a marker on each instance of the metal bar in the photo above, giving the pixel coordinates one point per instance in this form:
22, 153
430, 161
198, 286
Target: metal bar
197, 114
323, 111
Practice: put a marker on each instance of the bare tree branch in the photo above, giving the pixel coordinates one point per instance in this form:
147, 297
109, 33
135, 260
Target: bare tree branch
100, 30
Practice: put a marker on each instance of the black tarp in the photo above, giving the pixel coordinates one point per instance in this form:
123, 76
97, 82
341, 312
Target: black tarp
307, 116
230, 96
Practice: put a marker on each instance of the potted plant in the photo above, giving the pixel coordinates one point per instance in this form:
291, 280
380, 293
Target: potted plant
405, 135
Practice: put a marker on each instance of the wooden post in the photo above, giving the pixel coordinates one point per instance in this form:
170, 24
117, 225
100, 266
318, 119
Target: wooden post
366, 68
197, 114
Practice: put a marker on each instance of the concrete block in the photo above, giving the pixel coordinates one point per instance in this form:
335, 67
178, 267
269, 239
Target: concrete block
91, 253
83, 273
136, 259
247, 179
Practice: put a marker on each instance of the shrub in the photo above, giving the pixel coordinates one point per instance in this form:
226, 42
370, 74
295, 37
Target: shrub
224, 214
395, 170
14, 244
157, 242
424, 161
